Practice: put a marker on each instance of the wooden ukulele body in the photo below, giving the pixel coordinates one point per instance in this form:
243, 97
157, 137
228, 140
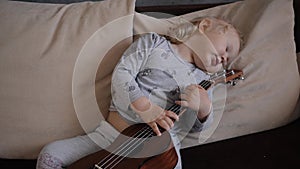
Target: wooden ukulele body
152, 152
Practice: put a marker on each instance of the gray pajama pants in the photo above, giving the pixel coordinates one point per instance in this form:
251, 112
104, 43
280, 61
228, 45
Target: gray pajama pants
60, 154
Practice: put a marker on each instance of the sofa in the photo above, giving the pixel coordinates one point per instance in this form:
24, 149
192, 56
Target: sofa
57, 60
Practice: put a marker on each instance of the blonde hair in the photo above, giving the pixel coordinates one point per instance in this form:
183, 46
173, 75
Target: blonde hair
185, 29
182, 31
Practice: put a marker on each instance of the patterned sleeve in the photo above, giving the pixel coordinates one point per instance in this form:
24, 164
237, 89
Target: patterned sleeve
125, 90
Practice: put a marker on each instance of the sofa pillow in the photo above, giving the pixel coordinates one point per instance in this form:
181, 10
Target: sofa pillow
41, 51
267, 97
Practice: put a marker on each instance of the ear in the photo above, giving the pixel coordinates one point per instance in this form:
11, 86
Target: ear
204, 24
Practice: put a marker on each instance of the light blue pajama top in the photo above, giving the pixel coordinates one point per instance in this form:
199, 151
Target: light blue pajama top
150, 67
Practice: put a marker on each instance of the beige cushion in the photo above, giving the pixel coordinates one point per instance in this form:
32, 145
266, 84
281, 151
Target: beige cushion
56, 63
41, 51
266, 99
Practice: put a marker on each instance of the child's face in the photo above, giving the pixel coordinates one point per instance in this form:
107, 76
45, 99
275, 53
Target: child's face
227, 47
226, 44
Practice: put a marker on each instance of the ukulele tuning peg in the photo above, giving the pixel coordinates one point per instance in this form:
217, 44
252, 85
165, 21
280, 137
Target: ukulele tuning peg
233, 83
242, 78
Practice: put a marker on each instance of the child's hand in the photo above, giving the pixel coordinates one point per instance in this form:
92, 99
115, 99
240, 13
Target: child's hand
165, 121
154, 115
196, 98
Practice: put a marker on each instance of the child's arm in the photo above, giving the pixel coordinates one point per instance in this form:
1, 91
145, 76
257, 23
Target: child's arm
126, 93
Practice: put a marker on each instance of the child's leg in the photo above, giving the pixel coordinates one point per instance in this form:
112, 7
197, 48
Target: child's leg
60, 154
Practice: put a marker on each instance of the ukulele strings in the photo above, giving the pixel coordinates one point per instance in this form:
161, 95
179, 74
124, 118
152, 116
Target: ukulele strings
123, 146
145, 132
130, 149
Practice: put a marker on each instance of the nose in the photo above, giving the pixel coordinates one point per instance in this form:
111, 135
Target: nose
224, 58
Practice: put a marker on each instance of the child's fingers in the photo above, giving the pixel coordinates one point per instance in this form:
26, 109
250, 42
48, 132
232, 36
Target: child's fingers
169, 122
189, 89
200, 87
172, 115
193, 87
182, 103
164, 124
184, 96
155, 128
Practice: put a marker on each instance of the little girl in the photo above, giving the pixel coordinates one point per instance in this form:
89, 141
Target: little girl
154, 73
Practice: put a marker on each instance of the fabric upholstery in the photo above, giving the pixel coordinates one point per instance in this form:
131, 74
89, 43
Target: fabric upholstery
41, 52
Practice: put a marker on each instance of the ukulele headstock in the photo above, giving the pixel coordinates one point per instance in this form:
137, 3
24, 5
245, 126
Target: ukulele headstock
231, 76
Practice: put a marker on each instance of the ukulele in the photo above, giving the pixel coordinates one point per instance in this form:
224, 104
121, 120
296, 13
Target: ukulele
136, 148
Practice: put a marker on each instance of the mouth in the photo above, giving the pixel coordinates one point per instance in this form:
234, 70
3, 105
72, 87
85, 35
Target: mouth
215, 61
